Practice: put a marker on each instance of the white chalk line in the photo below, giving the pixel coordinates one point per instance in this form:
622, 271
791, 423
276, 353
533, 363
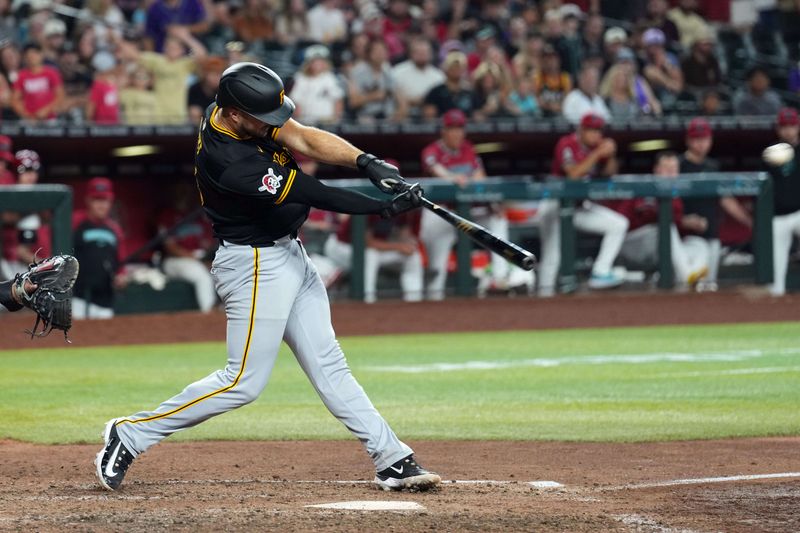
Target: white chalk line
705, 480
605, 359
733, 372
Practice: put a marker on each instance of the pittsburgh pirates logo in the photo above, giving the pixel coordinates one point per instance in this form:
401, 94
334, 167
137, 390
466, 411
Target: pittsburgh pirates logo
281, 96
270, 182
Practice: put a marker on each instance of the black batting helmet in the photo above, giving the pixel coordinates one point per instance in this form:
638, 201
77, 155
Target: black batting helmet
257, 91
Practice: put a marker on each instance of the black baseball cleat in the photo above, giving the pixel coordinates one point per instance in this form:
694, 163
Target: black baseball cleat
113, 460
406, 474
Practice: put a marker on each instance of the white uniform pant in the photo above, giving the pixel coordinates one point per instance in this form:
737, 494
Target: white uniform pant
707, 252
439, 237
641, 247
195, 272
411, 271
81, 310
589, 217
270, 294
784, 228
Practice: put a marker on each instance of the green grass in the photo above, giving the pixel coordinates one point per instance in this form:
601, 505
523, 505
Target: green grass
66, 395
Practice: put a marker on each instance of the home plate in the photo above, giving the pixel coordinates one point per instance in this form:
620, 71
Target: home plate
371, 505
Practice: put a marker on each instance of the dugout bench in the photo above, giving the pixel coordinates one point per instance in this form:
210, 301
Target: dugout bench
497, 189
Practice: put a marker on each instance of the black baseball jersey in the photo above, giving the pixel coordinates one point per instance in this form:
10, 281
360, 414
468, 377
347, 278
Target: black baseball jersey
707, 208
254, 192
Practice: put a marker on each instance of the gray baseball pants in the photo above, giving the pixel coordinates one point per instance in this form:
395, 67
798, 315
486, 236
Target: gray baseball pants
270, 294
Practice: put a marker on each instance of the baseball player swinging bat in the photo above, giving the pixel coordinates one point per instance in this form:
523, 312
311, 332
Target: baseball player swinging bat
513, 253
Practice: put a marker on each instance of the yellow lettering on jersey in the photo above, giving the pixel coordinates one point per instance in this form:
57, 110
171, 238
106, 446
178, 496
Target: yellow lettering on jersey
281, 158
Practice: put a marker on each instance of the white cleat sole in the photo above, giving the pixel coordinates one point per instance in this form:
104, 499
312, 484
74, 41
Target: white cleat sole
98, 459
414, 483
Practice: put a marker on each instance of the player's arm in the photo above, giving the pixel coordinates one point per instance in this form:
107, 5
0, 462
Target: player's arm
258, 178
318, 144
734, 208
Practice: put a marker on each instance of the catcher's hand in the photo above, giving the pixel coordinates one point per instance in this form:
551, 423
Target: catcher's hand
51, 299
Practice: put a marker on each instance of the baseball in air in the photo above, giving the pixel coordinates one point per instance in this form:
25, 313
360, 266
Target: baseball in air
778, 154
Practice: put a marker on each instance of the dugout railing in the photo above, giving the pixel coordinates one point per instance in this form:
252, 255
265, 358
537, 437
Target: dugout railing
568, 193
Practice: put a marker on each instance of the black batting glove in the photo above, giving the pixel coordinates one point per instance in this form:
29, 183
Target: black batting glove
407, 200
384, 176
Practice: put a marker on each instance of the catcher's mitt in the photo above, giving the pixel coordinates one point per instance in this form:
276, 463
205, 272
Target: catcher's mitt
52, 298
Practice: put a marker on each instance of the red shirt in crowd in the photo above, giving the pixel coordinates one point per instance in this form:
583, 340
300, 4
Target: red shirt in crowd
105, 97
570, 151
7, 177
462, 161
38, 89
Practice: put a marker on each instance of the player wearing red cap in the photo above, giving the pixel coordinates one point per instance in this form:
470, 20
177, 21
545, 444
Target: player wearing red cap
700, 224
786, 181
97, 239
453, 158
583, 155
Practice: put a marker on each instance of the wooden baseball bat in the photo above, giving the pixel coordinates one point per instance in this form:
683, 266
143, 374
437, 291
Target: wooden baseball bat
483, 237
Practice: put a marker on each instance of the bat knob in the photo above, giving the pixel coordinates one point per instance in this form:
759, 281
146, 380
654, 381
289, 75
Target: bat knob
529, 262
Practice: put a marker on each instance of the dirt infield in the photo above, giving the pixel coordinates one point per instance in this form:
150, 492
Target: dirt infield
254, 486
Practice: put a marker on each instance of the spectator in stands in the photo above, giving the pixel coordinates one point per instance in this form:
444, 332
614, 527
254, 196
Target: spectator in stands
54, 36
454, 93
453, 158
414, 78
389, 242
188, 245
691, 26
757, 98
10, 62
702, 216
484, 40
522, 100
640, 247
177, 18
291, 23
253, 21
661, 68
107, 21
592, 35
5, 99
327, 23
396, 25
614, 39
657, 19
583, 155
204, 90
39, 90
570, 43
585, 99
317, 93
701, 68
102, 107
551, 84
786, 180
77, 78
626, 93
97, 239
170, 72
491, 92
137, 101
529, 59
710, 103
370, 86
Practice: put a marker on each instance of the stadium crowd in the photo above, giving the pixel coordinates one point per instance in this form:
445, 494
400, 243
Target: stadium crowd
159, 61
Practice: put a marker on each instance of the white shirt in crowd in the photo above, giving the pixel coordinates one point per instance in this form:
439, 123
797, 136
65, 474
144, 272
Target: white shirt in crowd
415, 83
577, 104
316, 97
326, 25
